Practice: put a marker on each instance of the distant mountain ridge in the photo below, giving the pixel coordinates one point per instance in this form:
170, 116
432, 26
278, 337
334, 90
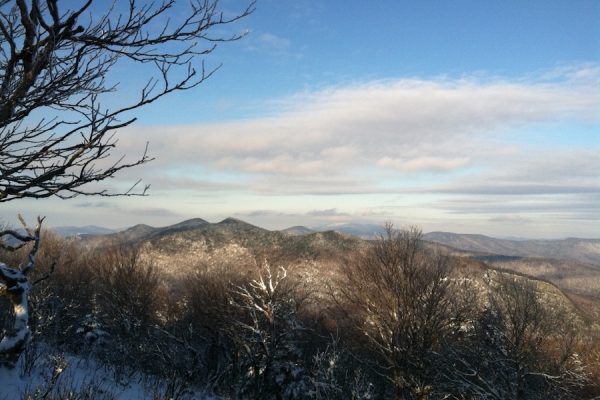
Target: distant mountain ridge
232, 245
199, 236
297, 230
142, 231
582, 250
81, 230
363, 231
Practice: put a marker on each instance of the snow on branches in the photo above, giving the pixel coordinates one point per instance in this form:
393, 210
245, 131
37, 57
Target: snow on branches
15, 284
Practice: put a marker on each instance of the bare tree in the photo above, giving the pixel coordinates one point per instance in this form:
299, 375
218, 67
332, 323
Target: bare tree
403, 300
129, 289
540, 351
56, 134
54, 69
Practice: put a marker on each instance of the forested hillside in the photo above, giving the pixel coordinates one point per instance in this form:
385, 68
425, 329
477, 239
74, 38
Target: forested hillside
241, 312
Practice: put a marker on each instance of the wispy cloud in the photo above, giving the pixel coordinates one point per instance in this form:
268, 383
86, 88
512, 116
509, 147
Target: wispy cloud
423, 163
270, 44
330, 212
311, 218
273, 42
117, 208
510, 219
94, 204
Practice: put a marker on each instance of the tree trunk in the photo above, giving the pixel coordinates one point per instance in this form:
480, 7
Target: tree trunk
14, 342
15, 286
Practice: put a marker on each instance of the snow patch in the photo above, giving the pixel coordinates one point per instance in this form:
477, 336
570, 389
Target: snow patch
70, 373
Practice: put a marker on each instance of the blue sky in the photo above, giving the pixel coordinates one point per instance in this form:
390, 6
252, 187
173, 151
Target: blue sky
465, 116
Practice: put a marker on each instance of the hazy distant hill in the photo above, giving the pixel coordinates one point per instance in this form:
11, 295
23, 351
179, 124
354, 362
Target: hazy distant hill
142, 231
256, 240
582, 250
81, 230
133, 234
481, 247
363, 231
297, 230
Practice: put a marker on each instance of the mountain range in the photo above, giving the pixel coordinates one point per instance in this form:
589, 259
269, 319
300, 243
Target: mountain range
574, 249
573, 265
231, 244
82, 230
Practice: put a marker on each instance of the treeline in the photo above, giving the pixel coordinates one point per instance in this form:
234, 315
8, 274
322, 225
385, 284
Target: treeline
398, 321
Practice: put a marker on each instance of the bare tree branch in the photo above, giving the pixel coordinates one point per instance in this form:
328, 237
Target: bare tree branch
56, 136
56, 62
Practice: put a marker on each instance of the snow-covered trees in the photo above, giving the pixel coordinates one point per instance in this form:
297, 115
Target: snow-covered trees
253, 333
271, 359
518, 346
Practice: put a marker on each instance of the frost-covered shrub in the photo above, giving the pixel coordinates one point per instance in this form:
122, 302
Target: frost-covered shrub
92, 331
271, 363
334, 375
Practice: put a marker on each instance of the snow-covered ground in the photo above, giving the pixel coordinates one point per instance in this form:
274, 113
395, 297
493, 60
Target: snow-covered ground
59, 374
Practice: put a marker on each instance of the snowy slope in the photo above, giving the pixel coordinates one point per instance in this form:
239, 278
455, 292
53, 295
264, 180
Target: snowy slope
59, 374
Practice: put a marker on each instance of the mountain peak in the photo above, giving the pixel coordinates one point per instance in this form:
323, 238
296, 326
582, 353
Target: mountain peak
238, 225
188, 223
139, 227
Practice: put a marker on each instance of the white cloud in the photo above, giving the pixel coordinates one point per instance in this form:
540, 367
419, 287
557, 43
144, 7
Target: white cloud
119, 209
439, 137
329, 212
410, 125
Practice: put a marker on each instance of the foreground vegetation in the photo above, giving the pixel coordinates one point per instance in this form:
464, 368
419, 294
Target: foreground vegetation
393, 320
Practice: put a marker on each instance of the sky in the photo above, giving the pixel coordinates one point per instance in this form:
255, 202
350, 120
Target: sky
462, 116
